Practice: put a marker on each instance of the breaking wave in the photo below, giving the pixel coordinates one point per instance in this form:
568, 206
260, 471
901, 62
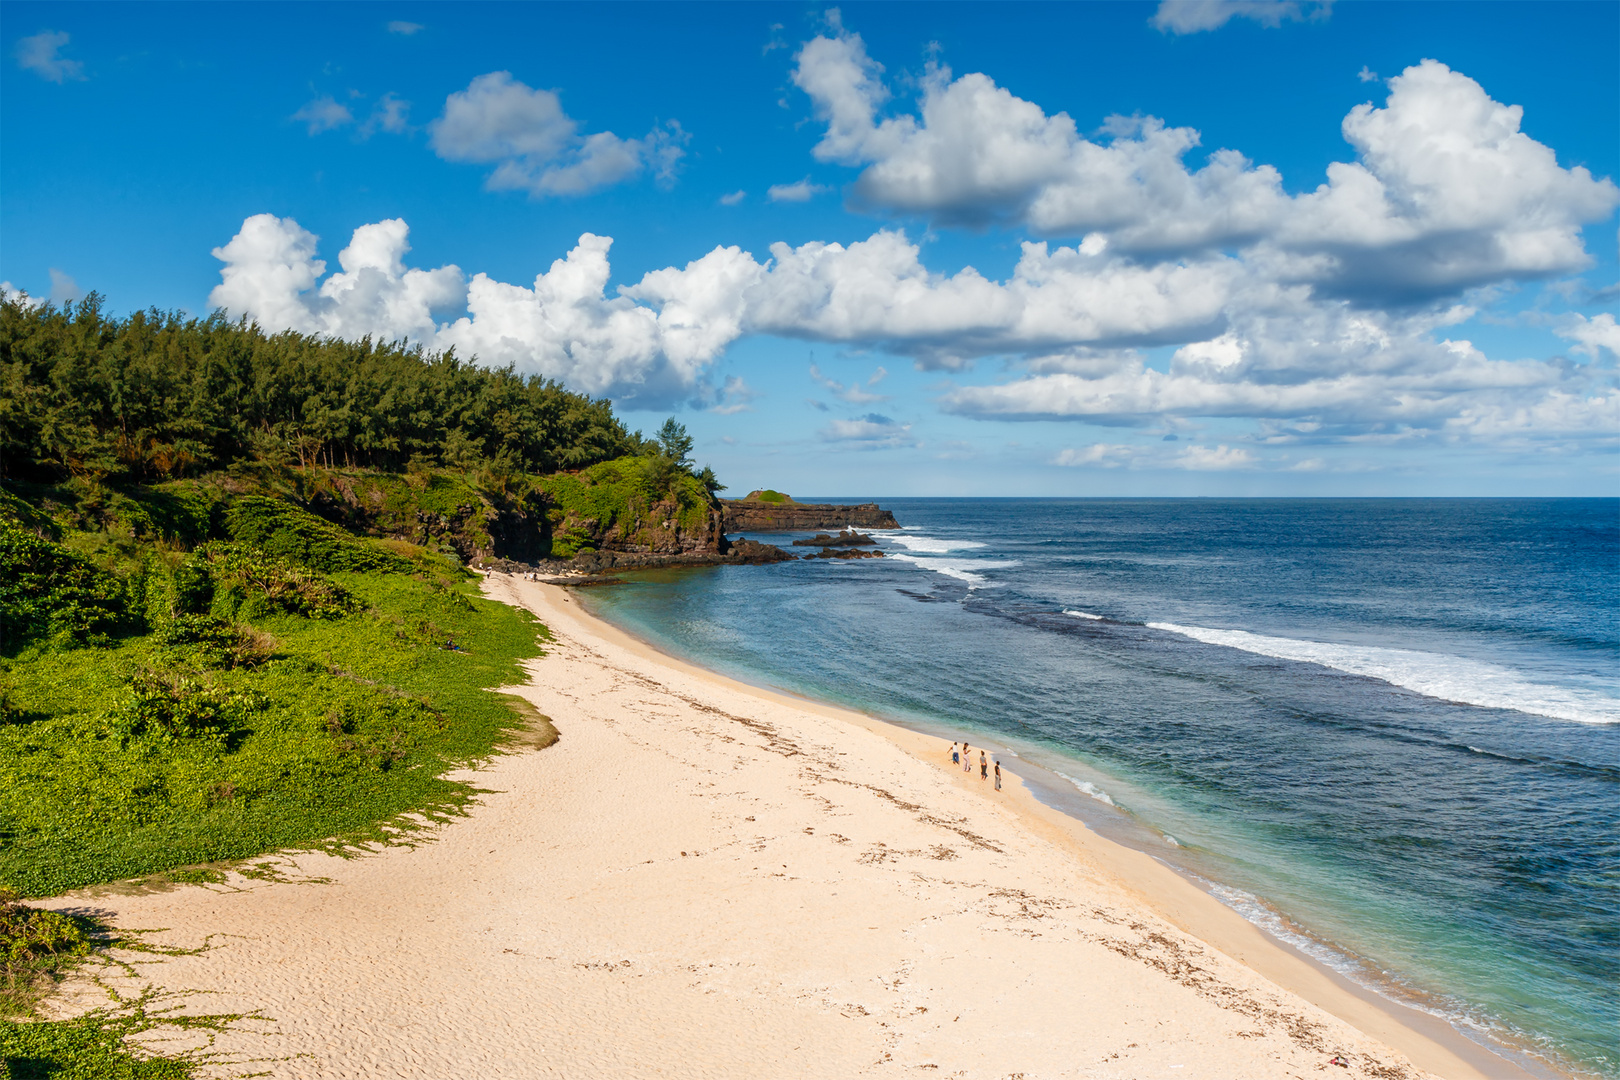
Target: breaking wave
1436, 675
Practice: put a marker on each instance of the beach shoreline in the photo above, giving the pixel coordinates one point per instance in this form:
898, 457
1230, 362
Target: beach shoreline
1430, 1040
1048, 788
705, 878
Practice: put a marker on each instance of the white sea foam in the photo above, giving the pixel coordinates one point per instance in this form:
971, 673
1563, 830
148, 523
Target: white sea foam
1260, 913
1082, 614
1090, 789
1384, 982
932, 544
1436, 675
960, 569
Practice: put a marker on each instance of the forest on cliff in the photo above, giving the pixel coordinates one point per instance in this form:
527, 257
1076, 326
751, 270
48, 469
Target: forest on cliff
158, 396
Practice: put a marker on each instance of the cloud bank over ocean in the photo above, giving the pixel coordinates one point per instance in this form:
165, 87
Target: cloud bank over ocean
1320, 316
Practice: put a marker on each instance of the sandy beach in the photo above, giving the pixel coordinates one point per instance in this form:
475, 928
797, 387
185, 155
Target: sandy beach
702, 878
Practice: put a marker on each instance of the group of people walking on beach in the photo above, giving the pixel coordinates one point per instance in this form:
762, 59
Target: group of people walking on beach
963, 756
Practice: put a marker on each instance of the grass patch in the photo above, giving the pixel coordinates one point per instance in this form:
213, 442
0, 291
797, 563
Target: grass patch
214, 706
80, 1050
97, 1046
769, 496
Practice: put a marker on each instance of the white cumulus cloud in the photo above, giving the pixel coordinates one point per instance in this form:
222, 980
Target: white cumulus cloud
870, 432
1311, 373
11, 294
877, 291
42, 54
1193, 16
1446, 192
536, 147
798, 191
323, 113
1071, 329
564, 326
271, 272
1591, 335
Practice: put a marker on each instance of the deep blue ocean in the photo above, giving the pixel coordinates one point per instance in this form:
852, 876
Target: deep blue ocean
1388, 730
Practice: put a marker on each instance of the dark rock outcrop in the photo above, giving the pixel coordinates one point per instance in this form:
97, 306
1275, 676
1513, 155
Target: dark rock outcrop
750, 515
845, 553
593, 565
752, 551
843, 539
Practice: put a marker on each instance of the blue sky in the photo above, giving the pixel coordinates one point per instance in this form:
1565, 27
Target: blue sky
1397, 284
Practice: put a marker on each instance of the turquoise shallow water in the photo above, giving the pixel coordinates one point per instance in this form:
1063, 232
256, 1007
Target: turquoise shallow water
1390, 730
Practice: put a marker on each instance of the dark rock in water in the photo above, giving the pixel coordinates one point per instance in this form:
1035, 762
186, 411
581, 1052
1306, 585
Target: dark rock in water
847, 538
847, 553
758, 515
752, 551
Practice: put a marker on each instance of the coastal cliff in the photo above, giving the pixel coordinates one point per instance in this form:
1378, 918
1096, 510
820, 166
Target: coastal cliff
771, 511
607, 515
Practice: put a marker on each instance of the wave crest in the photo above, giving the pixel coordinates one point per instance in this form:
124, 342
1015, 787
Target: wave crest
1436, 675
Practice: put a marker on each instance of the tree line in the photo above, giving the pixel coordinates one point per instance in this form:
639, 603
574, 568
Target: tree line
157, 396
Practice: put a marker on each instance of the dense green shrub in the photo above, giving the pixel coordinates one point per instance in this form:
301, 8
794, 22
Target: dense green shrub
165, 705
36, 946
49, 592
213, 642
165, 750
252, 583
82, 1049
283, 531
29, 934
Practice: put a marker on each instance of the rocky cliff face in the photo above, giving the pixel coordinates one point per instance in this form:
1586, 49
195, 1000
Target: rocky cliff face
757, 515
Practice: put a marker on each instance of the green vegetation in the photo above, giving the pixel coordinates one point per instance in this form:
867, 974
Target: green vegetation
248, 702
157, 396
234, 616
631, 504
150, 427
769, 496
85, 1049
95, 1046
35, 945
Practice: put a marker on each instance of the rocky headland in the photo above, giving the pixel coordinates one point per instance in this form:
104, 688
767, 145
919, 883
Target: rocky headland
587, 525
771, 511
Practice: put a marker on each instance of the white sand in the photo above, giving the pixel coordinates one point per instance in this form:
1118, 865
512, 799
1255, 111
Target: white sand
704, 879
